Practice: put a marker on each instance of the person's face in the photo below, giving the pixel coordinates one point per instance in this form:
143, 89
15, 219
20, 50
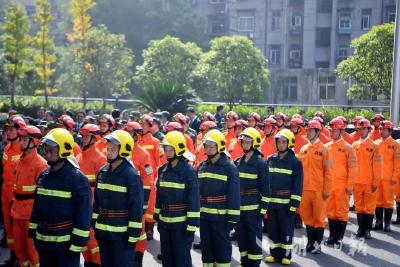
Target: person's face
169, 152
11, 133
376, 123
24, 142
112, 151
86, 140
238, 130
268, 129
49, 117
281, 144
90, 113
335, 133
295, 129
142, 110
51, 153
164, 119
385, 133
230, 123
146, 127
363, 132
252, 122
104, 127
311, 134
210, 149
279, 121
40, 113
80, 117
246, 144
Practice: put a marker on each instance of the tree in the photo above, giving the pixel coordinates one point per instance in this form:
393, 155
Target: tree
167, 59
16, 45
167, 95
44, 56
235, 69
370, 68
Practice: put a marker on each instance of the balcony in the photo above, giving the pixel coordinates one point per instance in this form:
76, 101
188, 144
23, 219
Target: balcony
344, 30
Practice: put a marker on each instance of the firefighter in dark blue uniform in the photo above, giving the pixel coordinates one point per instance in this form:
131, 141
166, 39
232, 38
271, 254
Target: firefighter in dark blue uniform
62, 210
177, 208
118, 203
219, 201
254, 193
285, 174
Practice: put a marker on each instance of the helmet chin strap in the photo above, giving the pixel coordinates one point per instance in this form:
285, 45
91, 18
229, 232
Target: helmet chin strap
315, 136
28, 146
113, 160
12, 139
210, 157
279, 151
89, 144
271, 133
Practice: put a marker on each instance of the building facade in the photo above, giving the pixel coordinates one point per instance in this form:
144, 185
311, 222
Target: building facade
303, 40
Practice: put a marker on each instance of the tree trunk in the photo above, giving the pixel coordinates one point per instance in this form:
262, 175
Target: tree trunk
12, 89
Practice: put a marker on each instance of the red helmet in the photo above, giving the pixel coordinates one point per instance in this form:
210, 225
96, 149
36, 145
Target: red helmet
357, 119
320, 114
378, 117
232, 115
208, 125
16, 121
314, 125
337, 123
364, 123
179, 117
174, 126
281, 116
241, 123
33, 132
343, 119
319, 119
296, 122
133, 126
255, 116
209, 116
269, 121
297, 116
386, 125
109, 119
147, 118
89, 130
67, 121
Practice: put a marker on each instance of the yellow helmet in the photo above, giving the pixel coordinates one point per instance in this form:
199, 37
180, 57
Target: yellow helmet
63, 139
253, 134
288, 135
216, 137
176, 140
124, 140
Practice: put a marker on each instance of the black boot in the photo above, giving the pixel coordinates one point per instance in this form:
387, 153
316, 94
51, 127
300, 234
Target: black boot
149, 230
368, 219
318, 235
360, 220
379, 219
298, 223
353, 208
310, 238
265, 226
139, 259
332, 233
91, 264
388, 219
340, 227
397, 221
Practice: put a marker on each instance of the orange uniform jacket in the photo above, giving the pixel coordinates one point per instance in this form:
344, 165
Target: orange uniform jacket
355, 136
27, 171
200, 156
199, 139
142, 162
230, 136
317, 167
369, 162
235, 150
324, 138
348, 138
389, 150
90, 162
189, 143
375, 135
12, 153
151, 145
344, 164
268, 146
299, 142
102, 146
77, 149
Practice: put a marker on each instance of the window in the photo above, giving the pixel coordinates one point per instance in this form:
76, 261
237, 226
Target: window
324, 6
290, 88
342, 52
216, 1
276, 20
391, 14
294, 54
327, 87
366, 19
246, 24
217, 27
296, 21
323, 38
275, 55
344, 21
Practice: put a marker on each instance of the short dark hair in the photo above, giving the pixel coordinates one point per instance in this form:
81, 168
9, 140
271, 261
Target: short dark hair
220, 107
81, 112
191, 109
69, 113
115, 113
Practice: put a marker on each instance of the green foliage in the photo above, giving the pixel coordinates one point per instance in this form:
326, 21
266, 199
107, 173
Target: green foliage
235, 69
370, 68
17, 51
167, 95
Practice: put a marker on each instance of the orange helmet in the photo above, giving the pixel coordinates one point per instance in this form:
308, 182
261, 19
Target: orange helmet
364, 123
296, 122
378, 117
133, 126
320, 114
255, 116
297, 116
343, 119
314, 125
241, 123
386, 125
357, 119
281, 116
16, 121
319, 119
208, 125
31, 131
147, 118
179, 117
109, 119
337, 123
174, 126
209, 116
89, 130
232, 115
269, 121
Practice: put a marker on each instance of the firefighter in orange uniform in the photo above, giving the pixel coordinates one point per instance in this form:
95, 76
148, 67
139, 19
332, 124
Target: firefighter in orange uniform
66, 122
230, 136
254, 120
142, 162
200, 153
235, 148
346, 136
355, 135
207, 116
324, 130
27, 171
268, 146
296, 126
397, 221
91, 160
367, 180
344, 173
389, 150
151, 145
176, 126
324, 134
12, 152
107, 125
318, 175
376, 122
281, 120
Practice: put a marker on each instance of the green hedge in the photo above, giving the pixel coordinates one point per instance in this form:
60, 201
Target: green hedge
30, 105
330, 113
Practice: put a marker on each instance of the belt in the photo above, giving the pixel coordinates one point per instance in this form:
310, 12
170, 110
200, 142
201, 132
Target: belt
281, 192
23, 196
176, 207
113, 213
249, 192
215, 199
55, 226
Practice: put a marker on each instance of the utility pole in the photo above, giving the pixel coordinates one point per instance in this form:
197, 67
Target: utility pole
395, 99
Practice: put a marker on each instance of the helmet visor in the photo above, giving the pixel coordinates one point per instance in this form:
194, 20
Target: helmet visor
49, 142
245, 138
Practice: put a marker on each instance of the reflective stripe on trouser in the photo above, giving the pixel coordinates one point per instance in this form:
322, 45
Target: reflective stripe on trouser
312, 209
280, 232
23, 245
6, 202
337, 206
175, 246
249, 238
364, 199
116, 253
216, 244
92, 253
385, 195
152, 201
